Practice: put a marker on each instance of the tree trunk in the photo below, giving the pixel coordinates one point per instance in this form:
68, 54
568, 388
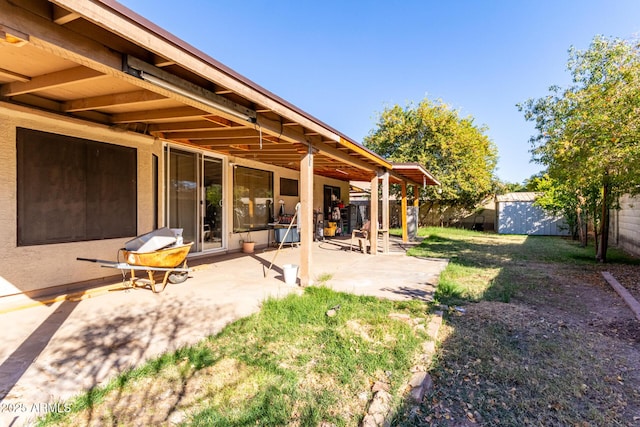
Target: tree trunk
601, 256
586, 231
596, 235
582, 235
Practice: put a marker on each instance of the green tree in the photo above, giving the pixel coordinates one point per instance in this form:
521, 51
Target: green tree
558, 198
455, 151
588, 133
500, 187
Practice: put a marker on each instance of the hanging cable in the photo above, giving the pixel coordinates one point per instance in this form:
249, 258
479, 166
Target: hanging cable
259, 129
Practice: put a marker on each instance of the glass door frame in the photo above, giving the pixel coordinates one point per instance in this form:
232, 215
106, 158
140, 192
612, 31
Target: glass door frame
201, 158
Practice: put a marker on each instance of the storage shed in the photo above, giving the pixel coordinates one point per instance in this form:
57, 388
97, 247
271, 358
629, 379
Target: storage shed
516, 213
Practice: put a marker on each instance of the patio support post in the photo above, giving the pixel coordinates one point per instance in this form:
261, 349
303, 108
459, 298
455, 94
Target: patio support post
416, 204
385, 212
403, 214
373, 231
306, 218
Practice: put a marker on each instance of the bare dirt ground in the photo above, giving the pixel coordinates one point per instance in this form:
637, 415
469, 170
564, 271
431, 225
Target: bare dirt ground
589, 302
563, 352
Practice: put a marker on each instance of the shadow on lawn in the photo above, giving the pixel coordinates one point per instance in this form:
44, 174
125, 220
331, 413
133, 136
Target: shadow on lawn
511, 260
127, 341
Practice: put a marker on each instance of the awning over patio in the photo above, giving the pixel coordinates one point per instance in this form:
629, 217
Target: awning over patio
412, 172
102, 62
99, 62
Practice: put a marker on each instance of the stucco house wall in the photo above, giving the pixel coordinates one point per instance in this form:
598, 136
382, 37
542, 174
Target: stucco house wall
28, 268
25, 269
261, 236
625, 225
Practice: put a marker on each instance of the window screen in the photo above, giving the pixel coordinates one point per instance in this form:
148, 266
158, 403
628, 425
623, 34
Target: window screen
72, 189
288, 187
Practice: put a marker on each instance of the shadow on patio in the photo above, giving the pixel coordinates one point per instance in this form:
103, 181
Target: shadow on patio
55, 351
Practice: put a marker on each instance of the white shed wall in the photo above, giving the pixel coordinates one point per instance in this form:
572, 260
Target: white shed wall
526, 218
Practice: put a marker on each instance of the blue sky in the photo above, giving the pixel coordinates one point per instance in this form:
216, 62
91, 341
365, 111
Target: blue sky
345, 61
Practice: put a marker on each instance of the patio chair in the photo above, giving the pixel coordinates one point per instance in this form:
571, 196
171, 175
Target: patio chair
362, 235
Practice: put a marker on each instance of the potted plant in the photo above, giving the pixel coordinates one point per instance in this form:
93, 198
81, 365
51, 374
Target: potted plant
248, 245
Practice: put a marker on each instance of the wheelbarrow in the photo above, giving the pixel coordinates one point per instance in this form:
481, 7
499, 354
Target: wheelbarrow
160, 250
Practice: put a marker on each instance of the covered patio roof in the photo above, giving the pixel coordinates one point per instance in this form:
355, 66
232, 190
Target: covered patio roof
99, 61
413, 173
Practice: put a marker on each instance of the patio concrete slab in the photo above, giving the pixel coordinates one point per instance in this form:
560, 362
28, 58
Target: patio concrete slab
54, 351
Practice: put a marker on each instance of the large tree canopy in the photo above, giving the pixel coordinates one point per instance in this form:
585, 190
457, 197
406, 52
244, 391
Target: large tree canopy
455, 151
588, 134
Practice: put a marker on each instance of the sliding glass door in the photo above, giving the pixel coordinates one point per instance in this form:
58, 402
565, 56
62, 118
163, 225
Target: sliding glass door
182, 194
195, 198
212, 203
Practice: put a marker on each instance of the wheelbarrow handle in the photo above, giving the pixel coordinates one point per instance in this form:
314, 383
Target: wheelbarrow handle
104, 263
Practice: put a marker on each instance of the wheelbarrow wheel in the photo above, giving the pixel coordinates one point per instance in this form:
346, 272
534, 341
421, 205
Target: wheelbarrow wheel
178, 277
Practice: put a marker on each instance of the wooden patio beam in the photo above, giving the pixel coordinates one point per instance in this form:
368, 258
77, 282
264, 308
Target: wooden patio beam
306, 218
62, 16
343, 157
14, 76
168, 113
385, 211
403, 213
373, 220
50, 81
253, 141
217, 134
220, 120
113, 100
167, 128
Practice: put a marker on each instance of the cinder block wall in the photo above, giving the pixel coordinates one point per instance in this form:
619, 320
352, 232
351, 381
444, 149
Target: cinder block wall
625, 225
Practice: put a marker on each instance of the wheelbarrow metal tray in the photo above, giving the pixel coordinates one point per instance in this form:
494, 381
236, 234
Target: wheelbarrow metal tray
154, 240
163, 258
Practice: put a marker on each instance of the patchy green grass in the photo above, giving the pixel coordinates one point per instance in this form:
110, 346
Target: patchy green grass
552, 355
486, 266
542, 341
289, 364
